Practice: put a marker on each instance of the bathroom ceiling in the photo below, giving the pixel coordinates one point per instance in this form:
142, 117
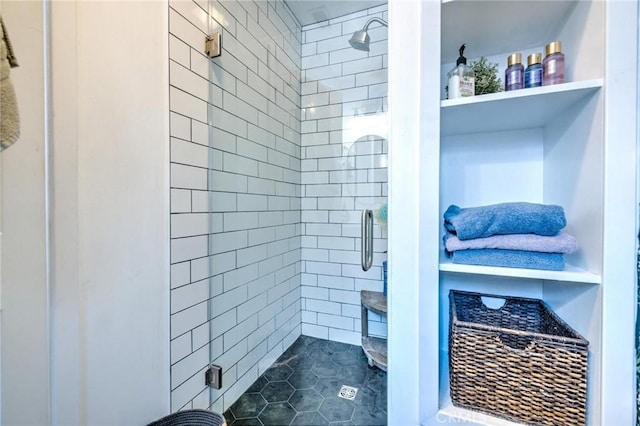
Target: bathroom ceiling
312, 11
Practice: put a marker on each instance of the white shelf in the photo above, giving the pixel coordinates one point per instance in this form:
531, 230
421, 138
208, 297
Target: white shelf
570, 273
457, 415
535, 26
517, 109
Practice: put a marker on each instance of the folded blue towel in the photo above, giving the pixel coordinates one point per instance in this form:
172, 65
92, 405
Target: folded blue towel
561, 243
510, 259
505, 218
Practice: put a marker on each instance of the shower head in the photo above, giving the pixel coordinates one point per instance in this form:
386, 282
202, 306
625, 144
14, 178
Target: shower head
360, 39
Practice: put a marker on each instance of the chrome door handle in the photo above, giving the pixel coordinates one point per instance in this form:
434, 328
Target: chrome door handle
366, 239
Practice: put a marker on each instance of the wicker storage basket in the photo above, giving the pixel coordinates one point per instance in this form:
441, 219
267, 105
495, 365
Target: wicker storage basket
193, 417
520, 362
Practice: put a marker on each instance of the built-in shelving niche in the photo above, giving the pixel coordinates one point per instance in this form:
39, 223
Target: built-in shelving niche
542, 145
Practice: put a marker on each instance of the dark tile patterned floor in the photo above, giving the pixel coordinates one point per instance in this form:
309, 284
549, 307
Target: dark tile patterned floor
302, 386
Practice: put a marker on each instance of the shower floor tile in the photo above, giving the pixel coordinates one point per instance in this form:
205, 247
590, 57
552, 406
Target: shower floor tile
302, 386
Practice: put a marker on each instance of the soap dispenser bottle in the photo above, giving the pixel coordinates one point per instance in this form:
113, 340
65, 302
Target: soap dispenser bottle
461, 78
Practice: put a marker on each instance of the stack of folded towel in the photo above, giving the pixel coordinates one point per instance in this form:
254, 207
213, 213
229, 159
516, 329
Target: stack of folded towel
515, 235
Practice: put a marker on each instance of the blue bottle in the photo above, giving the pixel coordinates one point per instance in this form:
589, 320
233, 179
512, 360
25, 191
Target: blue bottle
533, 73
384, 277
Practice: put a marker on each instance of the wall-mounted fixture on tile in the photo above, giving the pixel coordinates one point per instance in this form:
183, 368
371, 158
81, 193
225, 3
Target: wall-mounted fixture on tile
213, 45
213, 377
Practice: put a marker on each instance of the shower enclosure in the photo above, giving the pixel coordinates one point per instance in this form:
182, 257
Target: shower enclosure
276, 146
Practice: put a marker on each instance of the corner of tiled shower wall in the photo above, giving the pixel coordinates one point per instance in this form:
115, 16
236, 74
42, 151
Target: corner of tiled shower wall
344, 170
235, 199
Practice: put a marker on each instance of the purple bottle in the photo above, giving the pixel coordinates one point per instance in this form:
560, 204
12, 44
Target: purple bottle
514, 74
553, 64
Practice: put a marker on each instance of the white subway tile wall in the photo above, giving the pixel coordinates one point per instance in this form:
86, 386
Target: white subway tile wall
343, 170
265, 202
235, 198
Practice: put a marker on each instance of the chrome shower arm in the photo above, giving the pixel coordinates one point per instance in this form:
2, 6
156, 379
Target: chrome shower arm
372, 20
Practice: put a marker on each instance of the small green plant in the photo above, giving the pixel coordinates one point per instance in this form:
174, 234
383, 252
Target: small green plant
487, 80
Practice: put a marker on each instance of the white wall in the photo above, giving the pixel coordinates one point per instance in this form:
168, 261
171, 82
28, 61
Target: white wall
235, 195
620, 217
25, 351
110, 149
110, 287
344, 170
414, 187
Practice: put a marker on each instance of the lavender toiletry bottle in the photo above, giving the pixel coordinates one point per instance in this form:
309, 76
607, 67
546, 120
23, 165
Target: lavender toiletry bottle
553, 64
514, 74
533, 73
